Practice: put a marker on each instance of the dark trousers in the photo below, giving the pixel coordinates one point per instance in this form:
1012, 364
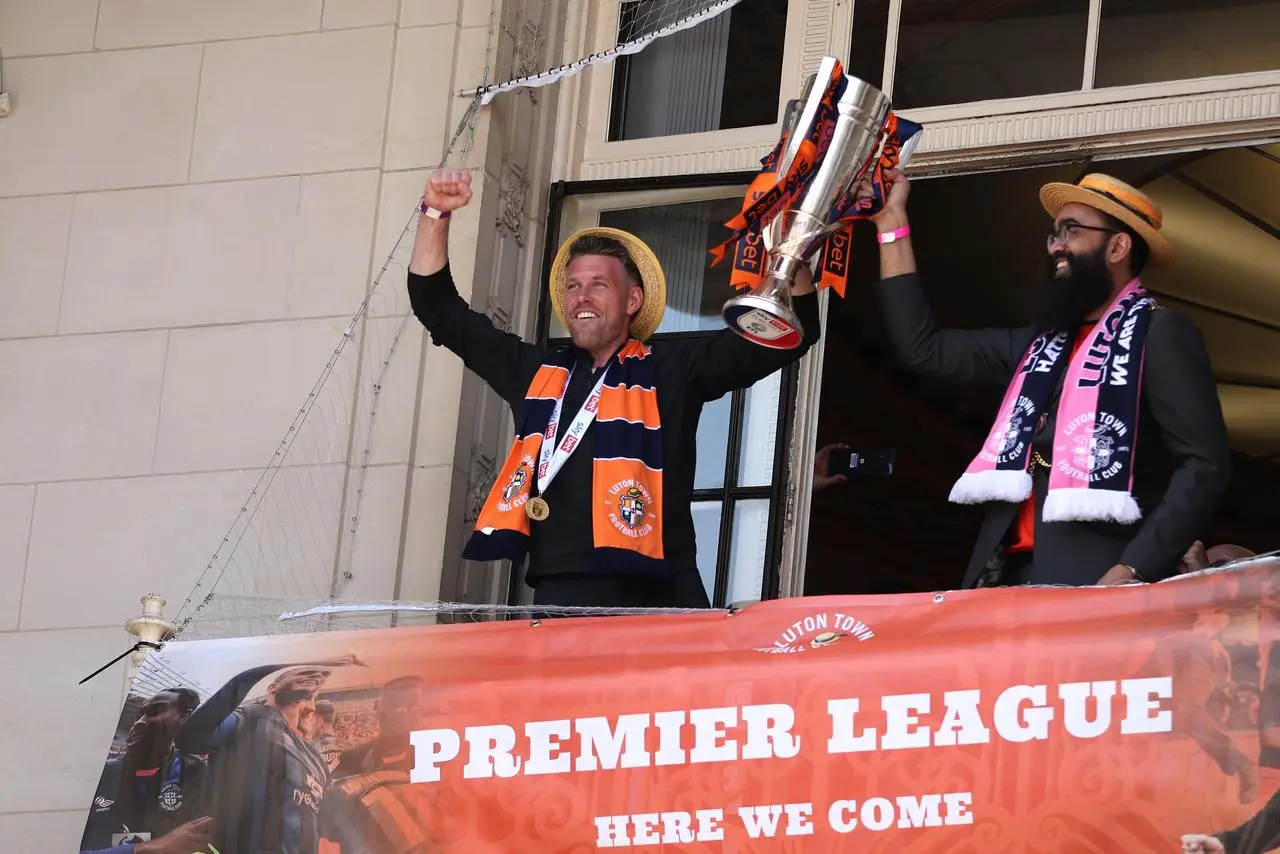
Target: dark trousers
1017, 569
681, 589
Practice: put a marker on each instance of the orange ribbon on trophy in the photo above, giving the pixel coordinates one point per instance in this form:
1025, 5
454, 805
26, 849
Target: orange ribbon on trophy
770, 193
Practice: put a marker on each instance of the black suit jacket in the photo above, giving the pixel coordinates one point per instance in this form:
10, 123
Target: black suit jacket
1182, 459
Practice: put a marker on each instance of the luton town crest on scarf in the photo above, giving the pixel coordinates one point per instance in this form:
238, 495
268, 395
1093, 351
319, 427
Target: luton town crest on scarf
632, 506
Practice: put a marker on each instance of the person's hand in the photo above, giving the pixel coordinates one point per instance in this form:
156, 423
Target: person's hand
1197, 843
190, 838
448, 189
894, 212
1118, 574
803, 282
1248, 776
821, 480
1195, 559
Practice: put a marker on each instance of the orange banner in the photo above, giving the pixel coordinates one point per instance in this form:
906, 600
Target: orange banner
994, 720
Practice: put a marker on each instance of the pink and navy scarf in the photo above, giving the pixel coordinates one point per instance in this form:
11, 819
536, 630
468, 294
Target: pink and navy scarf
1091, 478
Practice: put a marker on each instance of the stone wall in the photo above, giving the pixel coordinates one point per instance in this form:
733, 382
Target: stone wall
194, 196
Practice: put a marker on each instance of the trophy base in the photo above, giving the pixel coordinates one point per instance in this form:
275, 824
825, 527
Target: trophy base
763, 321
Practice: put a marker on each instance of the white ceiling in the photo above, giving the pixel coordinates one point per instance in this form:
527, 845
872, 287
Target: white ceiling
1222, 213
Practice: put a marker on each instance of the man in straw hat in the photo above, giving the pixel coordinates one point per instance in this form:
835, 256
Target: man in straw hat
597, 487
1109, 453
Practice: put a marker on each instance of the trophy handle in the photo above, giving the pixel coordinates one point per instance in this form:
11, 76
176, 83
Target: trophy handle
800, 121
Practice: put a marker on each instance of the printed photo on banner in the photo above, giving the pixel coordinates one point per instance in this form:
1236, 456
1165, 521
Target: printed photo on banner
1146, 718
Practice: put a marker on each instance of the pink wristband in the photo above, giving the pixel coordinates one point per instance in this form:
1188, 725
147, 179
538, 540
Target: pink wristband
891, 236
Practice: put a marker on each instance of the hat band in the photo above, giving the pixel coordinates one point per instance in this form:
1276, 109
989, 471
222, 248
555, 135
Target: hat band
1145, 217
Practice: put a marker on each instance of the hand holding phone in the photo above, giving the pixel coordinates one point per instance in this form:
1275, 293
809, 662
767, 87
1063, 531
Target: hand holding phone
822, 475
836, 463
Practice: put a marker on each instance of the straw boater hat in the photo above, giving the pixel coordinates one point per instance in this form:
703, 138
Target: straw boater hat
1129, 205
652, 280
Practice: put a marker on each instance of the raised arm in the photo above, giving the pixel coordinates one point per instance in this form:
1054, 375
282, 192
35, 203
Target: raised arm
959, 355
1180, 390
727, 361
499, 358
196, 732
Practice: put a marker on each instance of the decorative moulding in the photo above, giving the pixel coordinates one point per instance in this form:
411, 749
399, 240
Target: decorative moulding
1152, 124
995, 141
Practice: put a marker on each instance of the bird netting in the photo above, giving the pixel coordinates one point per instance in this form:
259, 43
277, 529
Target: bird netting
305, 533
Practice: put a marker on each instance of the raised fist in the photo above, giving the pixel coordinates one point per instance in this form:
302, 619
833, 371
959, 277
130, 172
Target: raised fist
448, 189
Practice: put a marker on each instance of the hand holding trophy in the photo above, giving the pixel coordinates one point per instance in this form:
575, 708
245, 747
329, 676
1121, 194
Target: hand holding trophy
839, 135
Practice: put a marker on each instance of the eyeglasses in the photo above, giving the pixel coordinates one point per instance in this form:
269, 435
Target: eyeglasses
1064, 231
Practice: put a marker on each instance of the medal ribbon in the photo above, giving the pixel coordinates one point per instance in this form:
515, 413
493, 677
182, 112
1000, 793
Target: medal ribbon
549, 464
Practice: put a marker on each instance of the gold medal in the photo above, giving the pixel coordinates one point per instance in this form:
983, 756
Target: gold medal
537, 509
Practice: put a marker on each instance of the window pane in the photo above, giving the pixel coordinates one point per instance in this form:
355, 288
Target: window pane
1143, 41
747, 550
870, 32
706, 531
759, 431
682, 236
722, 73
713, 429
957, 51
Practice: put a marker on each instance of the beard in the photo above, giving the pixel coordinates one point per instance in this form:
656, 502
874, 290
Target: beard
596, 335
1064, 301
593, 338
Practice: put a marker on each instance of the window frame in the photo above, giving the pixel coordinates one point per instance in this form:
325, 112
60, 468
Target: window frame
969, 138
1088, 95
614, 195
600, 80
814, 29
964, 138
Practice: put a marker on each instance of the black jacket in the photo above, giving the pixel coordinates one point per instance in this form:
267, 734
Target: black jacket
1182, 459
690, 372
158, 804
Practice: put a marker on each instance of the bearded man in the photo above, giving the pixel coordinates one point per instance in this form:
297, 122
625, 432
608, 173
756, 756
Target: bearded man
1109, 452
267, 783
597, 486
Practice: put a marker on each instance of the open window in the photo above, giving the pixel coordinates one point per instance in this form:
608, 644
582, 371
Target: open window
739, 478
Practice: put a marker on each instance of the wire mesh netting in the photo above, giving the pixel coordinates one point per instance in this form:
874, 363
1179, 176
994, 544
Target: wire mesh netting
308, 520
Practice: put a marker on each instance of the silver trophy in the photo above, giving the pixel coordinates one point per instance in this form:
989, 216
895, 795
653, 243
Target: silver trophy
797, 233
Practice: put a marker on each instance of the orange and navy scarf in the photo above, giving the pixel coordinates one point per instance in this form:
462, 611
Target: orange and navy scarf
626, 471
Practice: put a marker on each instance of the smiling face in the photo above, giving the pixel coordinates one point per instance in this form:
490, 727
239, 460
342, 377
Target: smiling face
1088, 258
601, 297
298, 684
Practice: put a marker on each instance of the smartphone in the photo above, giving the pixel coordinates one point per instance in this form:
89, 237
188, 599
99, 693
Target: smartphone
861, 462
